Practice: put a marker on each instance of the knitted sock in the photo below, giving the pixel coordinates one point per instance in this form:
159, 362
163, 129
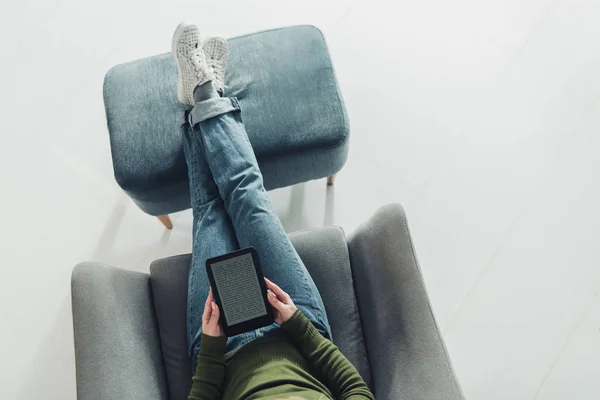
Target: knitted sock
204, 92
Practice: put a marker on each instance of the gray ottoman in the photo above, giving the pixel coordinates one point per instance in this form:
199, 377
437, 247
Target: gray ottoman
291, 105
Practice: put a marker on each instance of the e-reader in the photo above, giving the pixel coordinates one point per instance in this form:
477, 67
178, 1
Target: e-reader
240, 292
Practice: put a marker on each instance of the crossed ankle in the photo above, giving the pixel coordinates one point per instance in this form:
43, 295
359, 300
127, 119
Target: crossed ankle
204, 92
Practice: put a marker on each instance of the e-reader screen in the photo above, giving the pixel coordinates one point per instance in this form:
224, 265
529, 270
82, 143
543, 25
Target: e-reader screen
239, 291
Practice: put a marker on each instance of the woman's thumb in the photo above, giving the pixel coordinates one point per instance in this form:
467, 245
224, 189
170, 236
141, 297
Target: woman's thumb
214, 315
274, 300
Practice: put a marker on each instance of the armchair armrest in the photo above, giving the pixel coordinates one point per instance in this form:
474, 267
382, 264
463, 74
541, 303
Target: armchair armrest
406, 352
117, 348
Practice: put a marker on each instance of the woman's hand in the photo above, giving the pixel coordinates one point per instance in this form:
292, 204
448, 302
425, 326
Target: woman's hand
210, 319
283, 306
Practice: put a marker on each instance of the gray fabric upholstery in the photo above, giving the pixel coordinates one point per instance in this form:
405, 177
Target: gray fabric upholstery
371, 286
325, 253
169, 278
407, 353
272, 73
117, 349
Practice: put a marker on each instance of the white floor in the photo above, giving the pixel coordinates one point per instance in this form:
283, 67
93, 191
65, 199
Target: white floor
482, 118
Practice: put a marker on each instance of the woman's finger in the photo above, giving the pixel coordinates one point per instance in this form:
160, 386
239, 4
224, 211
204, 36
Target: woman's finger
275, 302
214, 316
207, 308
277, 290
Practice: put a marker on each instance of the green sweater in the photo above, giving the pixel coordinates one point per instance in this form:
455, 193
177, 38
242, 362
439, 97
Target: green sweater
296, 361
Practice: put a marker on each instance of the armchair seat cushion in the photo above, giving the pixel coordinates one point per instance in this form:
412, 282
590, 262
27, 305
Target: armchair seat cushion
292, 109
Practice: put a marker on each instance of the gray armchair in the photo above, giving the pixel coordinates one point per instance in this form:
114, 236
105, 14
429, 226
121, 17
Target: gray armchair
130, 340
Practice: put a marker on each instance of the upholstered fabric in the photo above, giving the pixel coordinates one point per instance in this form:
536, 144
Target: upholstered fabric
291, 105
169, 278
117, 349
325, 254
400, 330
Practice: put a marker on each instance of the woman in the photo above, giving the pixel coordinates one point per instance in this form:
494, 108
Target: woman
294, 358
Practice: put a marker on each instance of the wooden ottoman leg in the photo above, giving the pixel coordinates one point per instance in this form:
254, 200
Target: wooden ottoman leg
331, 180
166, 221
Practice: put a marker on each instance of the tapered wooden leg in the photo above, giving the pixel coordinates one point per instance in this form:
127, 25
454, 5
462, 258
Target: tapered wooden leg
166, 221
331, 180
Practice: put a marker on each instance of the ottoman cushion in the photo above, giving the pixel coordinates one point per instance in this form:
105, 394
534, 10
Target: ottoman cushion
292, 109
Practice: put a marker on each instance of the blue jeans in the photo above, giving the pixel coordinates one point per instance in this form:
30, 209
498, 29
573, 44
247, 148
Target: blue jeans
231, 211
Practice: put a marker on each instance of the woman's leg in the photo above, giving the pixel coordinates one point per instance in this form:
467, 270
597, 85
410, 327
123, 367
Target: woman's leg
199, 64
213, 233
235, 171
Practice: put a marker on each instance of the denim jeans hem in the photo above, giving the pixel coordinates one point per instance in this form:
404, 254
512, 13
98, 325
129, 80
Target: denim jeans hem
212, 108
